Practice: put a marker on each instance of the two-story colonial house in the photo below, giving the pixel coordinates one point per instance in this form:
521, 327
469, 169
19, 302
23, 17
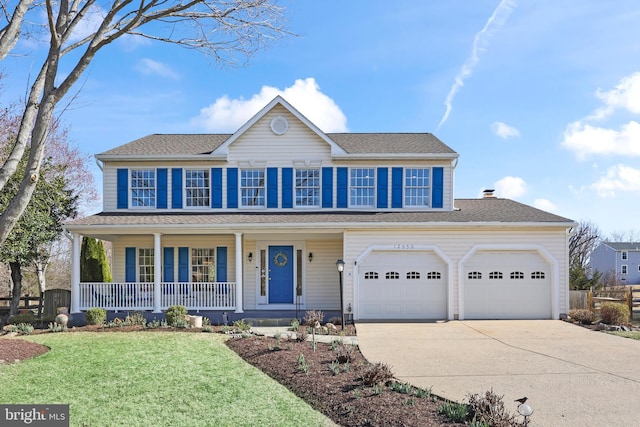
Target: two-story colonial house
620, 258
253, 223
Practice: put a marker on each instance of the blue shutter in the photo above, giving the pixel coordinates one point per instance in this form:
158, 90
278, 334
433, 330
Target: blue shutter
168, 260
343, 187
161, 200
396, 187
221, 264
123, 188
272, 187
232, 187
437, 189
130, 264
183, 264
383, 187
216, 187
327, 187
287, 187
176, 188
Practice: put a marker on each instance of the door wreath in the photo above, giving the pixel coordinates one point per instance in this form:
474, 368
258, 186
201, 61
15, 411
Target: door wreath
280, 259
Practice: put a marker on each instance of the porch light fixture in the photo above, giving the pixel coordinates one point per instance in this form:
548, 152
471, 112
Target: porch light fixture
310, 257
340, 267
250, 256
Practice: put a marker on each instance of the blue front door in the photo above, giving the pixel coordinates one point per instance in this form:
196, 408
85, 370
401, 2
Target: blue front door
281, 274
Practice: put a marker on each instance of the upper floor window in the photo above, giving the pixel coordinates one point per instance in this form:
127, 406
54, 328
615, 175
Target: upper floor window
143, 188
197, 188
252, 187
625, 255
307, 187
203, 265
416, 187
145, 265
362, 187
623, 269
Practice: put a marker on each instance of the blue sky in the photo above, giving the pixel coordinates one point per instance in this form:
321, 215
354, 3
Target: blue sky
541, 99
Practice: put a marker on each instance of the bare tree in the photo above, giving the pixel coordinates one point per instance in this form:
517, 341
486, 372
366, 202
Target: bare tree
227, 30
584, 239
624, 236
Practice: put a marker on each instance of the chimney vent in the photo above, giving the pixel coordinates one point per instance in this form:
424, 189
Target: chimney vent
488, 193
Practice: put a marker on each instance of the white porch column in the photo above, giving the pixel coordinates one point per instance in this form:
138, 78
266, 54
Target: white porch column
75, 272
239, 273
157, 272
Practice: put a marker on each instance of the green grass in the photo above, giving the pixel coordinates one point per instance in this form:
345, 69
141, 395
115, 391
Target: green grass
152, 379
634, 335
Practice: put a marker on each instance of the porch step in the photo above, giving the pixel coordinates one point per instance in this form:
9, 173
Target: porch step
268, 322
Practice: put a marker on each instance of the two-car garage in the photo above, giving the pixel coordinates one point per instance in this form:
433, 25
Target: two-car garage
493, 284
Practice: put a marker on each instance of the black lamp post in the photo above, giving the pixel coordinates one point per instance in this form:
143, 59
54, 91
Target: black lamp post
340, 267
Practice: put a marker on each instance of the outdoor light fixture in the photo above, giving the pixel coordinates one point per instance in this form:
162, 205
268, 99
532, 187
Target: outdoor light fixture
525, 410
310, 257
250, 256
340, 267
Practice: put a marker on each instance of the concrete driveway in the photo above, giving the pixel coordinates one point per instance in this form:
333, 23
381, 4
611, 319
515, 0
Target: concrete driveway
571, 375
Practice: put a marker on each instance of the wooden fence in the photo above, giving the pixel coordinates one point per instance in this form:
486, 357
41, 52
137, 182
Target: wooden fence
52, 299
592, 300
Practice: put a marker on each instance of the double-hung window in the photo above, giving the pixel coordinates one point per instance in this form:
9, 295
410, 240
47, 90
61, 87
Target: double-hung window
197, 187
252, 187
203, 267
145, 265
143, 188
308, 187
417, 187
362, 187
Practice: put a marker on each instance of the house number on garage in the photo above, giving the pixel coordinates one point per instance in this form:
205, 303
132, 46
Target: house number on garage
403, 246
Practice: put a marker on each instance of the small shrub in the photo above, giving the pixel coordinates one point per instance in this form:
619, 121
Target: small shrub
96, 316
136, 318
313, 317
614, 313
181, 323
345, 353
403, 388
303, 366
207, 328
54, 327
154, 324
489, 409
456, 412
302, 335
24, 328
334, 367
206, 321
377, 374
241, 325
295, 324
176, 313
582, 316
19, 318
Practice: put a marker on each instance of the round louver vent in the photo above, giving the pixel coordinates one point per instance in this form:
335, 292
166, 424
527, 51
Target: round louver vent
279, 125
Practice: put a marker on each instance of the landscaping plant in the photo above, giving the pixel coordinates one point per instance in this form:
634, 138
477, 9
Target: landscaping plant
613, 313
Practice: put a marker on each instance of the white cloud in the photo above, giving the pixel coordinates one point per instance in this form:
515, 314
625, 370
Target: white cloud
544, 204
586, 139
480, 43
148, 67
510, 187
227, 115
618, 178
89, 24
504, 131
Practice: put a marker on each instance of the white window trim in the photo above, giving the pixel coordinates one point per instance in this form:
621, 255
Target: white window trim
155, 188
264, 172
184, 187
625, 255
375, 187
139, 265
295, 188
404, 188
624, 269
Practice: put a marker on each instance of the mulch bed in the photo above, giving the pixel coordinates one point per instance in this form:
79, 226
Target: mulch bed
343, 397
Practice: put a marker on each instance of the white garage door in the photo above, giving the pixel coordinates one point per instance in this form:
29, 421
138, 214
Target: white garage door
507, 285
402, 285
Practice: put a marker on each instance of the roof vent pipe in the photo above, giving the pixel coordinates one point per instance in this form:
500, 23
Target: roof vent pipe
488, 193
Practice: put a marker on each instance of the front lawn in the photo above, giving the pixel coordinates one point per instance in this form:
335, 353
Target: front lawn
635, 335
152, 378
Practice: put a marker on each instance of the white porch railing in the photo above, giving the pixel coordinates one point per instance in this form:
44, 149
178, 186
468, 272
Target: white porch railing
140, 296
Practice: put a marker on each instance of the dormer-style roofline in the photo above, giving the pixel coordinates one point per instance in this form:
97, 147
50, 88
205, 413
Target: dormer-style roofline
223, 150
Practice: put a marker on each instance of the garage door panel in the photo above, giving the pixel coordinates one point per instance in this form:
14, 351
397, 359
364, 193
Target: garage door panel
401, 290
525, 294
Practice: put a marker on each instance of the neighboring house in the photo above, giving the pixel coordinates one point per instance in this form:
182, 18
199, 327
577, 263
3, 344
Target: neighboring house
621, 259
252, 223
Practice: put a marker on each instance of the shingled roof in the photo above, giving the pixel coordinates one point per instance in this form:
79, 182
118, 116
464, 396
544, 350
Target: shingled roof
468, 211
352, 143
624, 246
